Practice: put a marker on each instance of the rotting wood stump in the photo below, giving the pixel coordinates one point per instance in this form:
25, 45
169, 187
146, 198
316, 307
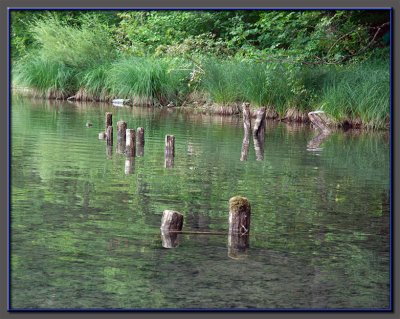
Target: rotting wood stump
246, 117
108, 121
130, 148
121, 132
239, 227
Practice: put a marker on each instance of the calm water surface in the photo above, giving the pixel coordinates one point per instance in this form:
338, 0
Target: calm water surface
85, 223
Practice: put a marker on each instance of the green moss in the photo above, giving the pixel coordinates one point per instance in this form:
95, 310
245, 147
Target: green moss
238, 204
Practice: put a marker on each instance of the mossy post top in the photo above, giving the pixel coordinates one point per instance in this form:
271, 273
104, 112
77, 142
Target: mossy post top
239, 204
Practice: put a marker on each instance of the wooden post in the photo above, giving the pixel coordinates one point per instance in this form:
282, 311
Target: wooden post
109, 135
121, 137
239, 227
130, 143
171, 221
320, 121
121, 132
129, 165
247, 131
246, 117
170, 145
108, 120
259, 125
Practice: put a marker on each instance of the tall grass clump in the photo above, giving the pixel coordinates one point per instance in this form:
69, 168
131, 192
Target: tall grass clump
359, 94
47, 78
147, 80
66, 57
223, 80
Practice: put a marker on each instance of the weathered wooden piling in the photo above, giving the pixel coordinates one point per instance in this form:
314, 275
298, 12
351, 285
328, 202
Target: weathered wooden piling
108, 120
239, 227
130, 143
170, 145
259, 124
129, 165
171, 221
121, 137
246, 117
320, 121
171, 224
121, 132
109, 135
247, 131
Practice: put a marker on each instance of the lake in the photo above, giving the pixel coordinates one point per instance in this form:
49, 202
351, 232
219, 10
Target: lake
85, 222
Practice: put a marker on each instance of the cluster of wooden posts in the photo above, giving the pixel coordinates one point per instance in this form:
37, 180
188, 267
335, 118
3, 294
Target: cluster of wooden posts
131, 143
238, 228
318, 119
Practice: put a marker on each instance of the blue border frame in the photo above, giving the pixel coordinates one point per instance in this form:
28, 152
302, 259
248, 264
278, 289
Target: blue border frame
289, 310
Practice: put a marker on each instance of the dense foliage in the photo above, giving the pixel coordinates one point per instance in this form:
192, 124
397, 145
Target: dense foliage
284, 59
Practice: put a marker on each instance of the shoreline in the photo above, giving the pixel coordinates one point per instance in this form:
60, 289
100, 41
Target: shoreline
202, 106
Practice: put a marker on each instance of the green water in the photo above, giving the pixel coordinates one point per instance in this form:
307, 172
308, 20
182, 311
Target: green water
85, 224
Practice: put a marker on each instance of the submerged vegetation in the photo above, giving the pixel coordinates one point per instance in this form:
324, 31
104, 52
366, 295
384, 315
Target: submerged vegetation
292, 62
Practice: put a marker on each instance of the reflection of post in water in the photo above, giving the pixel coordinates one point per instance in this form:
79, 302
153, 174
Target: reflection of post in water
129, 165
321, 122
140, 141
315, 143
247, 131
130, 148
245, 147
109, 135
169, 239
259, 146
169, 151
239, 227
109, 151
171, 223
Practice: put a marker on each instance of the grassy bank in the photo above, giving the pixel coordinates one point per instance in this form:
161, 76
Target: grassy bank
85, 64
